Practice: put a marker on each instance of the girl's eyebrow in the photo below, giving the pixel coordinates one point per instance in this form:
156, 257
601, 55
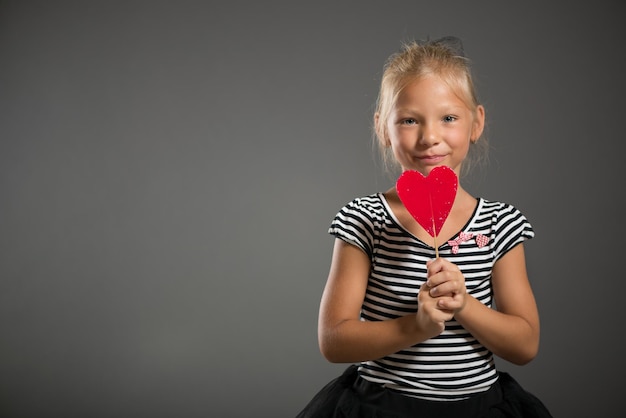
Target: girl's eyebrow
443, 108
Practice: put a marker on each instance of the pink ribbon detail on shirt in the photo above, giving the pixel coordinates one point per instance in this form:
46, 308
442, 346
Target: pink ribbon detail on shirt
481, 240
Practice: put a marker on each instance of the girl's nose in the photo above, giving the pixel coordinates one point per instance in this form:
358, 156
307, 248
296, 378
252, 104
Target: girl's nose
428, 135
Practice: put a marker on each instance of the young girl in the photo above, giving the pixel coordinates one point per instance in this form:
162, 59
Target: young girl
422, 331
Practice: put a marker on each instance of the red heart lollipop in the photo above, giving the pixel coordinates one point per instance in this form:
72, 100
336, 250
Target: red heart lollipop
428, 199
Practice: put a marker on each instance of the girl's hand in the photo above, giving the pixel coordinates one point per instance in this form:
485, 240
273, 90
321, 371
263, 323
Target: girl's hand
441, 297
446, 284
430, 317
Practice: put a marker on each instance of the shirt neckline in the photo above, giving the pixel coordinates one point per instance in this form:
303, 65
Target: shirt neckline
466, 227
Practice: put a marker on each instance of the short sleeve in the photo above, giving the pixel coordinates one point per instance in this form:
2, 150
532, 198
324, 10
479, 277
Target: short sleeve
354, 224
510, 229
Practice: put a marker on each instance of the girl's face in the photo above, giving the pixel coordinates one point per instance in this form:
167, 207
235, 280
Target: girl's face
429, 126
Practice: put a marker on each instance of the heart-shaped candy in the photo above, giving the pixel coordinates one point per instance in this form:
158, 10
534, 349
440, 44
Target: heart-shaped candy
428, 199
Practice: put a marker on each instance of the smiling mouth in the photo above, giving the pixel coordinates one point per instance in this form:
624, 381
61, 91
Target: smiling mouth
431, 158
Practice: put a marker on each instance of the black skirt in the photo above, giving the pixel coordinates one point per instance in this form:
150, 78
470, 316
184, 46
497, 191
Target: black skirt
350, 396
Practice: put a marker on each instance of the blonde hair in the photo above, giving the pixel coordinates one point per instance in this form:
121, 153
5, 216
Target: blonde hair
443, 58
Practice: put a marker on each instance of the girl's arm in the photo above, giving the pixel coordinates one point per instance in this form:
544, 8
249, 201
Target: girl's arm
512, 330
343, 337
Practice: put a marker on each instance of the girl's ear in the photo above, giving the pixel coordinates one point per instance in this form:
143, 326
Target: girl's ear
479, 124
384, 140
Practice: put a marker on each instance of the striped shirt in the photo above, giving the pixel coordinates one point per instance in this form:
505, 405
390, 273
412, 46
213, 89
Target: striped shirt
454, 364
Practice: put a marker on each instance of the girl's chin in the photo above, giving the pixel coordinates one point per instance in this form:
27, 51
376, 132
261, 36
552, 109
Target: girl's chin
425, 170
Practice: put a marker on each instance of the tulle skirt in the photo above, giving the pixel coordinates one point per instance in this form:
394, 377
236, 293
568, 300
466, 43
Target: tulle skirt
349, 396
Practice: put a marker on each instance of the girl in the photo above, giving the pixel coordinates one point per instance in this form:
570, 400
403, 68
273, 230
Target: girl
421, 331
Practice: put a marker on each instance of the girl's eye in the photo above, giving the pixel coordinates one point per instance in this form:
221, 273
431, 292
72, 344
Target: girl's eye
449, 118
409, 122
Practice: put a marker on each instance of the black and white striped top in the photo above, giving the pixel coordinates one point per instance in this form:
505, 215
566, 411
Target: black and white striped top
454, 364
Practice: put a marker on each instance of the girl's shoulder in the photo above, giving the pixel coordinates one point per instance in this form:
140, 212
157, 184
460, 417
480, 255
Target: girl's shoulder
503, 223
370, 201
360, 220
497, 208
370, 212
372, 205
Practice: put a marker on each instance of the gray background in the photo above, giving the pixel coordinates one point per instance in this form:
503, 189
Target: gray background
168, 171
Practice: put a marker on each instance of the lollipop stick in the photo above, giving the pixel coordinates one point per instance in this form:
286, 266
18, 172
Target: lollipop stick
435, 240
430, 200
